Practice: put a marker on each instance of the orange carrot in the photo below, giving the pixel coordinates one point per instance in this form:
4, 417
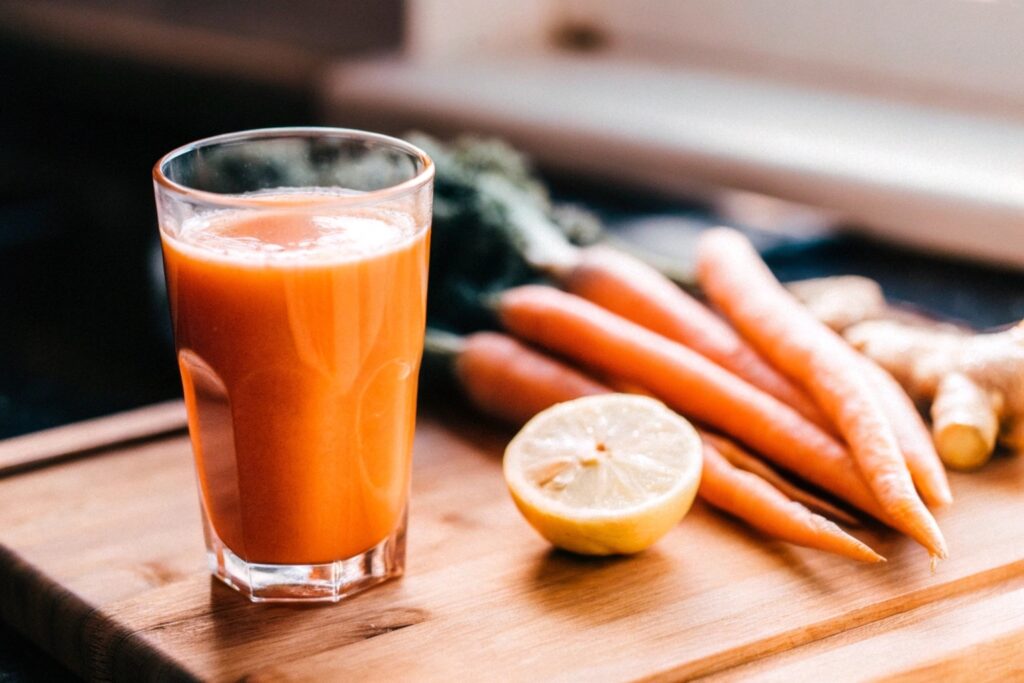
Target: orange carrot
763, 506
915, 441
688, 382
629, 287
508, 380
739, 283
745, 461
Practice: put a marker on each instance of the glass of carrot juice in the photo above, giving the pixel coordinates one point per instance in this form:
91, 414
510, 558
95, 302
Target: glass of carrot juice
296, 266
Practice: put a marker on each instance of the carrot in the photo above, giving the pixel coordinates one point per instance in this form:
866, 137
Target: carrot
691, 384
506, 379
739, 283
912, 436
629, 287
740, 458
763, 506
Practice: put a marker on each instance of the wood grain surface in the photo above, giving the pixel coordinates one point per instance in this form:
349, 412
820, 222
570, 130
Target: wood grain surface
61, 443
101, 562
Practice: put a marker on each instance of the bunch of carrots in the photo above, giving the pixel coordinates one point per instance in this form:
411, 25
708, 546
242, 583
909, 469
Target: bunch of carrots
761, 377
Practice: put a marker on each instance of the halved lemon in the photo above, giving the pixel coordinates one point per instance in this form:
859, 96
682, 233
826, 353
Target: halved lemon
604, 475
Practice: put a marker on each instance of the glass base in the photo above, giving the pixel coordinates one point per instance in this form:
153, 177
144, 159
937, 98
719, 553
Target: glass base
329, 582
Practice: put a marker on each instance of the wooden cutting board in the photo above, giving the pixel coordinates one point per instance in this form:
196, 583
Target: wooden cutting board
101, 563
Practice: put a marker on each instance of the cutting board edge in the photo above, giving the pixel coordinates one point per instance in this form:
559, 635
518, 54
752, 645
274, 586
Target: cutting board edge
88, 438
78, 634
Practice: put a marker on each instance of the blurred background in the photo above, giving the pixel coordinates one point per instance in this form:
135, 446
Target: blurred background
882, 137
878, 137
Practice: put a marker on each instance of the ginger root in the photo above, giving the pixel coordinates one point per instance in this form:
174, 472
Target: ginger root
966, 423
842, 300
975, 383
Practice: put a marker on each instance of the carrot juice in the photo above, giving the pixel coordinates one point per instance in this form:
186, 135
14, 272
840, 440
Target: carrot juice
299, 332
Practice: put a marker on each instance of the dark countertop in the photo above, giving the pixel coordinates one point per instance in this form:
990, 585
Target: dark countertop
20, 660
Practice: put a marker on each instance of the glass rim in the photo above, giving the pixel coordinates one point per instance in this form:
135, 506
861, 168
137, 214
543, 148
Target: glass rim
423, 176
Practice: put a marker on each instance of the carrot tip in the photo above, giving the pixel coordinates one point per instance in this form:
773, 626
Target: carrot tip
869, 556
938, 494
936, 556
867, 553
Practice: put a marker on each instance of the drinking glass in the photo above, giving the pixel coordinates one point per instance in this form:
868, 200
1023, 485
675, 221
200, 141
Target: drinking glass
296, 267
